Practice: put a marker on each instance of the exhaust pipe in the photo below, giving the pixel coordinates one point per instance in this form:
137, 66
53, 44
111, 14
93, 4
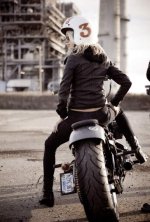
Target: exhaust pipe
128, 164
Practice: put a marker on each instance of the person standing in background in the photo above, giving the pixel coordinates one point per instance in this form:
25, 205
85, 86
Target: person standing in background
146, 207
148, 72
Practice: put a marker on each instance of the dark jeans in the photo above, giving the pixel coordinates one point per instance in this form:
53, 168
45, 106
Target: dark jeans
62, 135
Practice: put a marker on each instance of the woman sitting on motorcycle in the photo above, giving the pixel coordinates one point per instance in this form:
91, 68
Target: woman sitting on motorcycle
82, 95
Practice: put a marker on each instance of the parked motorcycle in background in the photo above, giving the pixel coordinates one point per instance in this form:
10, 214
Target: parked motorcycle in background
98, 170
148, 86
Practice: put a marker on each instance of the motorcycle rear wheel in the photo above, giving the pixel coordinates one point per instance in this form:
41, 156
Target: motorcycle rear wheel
100, 204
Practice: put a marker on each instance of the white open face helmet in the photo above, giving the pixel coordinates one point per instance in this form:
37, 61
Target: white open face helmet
82, 30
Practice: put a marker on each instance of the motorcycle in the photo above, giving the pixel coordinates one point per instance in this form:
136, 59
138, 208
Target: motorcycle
98, 170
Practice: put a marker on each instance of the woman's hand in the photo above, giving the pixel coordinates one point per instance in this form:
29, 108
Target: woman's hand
56, 125
116, 109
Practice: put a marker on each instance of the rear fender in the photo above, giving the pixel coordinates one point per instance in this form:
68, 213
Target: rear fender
86, 131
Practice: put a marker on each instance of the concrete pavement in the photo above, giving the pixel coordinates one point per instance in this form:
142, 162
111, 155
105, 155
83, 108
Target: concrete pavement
22, 136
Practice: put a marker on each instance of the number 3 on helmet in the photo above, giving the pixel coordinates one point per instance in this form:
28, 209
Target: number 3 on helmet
81, 28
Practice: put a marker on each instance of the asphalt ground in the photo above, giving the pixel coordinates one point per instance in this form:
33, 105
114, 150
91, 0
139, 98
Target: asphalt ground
22, 136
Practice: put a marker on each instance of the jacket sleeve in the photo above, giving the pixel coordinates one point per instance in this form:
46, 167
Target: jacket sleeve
123, 80
148, 72
65, 87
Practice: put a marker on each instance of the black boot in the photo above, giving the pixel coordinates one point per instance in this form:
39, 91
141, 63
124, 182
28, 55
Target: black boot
48, 195
133, 142
127, 131
146, 208
48, 199
48, 167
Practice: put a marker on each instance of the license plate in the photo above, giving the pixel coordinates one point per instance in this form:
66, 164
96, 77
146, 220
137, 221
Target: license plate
67, 183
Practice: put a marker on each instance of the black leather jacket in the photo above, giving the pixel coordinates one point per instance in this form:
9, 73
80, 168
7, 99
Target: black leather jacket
148, 72
82, 86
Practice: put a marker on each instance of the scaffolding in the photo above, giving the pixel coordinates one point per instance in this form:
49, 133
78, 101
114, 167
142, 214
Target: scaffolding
31, 44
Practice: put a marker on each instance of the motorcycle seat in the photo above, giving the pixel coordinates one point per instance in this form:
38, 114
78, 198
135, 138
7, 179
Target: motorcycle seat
87, 122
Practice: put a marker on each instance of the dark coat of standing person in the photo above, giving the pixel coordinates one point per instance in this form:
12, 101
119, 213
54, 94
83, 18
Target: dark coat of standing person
148, 72
146, 207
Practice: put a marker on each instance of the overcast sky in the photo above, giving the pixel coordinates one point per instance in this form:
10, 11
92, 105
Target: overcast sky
138, 43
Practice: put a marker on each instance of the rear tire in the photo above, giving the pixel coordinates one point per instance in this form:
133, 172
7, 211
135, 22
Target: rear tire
98, 201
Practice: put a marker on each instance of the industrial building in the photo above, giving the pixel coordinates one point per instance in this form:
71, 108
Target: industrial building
31, 45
